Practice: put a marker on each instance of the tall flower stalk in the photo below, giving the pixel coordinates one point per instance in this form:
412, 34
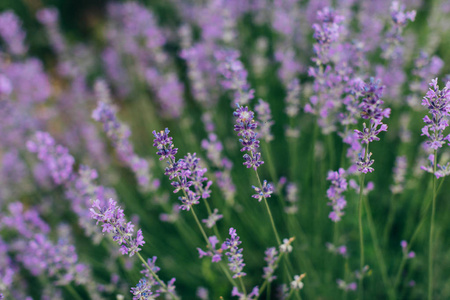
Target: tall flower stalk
371, 110
438, 103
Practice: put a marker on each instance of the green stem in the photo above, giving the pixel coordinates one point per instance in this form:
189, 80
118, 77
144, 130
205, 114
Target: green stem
361, 233
378, 253
268, 211
242, 285
430, 250
73, 292
390, 220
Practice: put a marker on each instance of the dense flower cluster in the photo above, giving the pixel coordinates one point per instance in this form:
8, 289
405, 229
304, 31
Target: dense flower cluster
11, 31
184, 173
234, 253
326, 32
114, 222
55, 157
265, 120
235, 76
272, 263
334, 193
245, 127
372, 110
438, 103
399, 172
119, 135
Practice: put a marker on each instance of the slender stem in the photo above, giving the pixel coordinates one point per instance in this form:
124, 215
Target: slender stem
390, 219
200, 226
378, 252
430, 250
361, 233
73, 292
268, 211
242, 285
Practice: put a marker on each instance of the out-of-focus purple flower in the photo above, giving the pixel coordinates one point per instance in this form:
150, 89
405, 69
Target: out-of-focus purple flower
212, 219
272, 263
293, 98
264, 119
393, 48
114, 222
202, 293
291, 198
12, 33
341, 250
245, 127
234, 253
81, 192
235, 76
29, 81
352, 286
399, 172
424, 68
334, 193
55, 157
119, 134
264, 192
410, 254
253, 295
49, 17
325, 33
216, 254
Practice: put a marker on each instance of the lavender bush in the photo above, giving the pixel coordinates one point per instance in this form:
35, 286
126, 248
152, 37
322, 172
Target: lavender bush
241, 149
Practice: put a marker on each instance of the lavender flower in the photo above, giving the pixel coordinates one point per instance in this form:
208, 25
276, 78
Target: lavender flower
119, 134
12, 33
235, 257
187, 171
235, 76
371, 109
253, 295
437, 101
399, 174
265, 120
143, 291
213, 218
49, 17
352, 286
216, 254
245, 127
264, 192
114, 222
272, 263
291, 198
334, 193
400, 17
56, 157
325, 33
407, 254
293, 105
341, 250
